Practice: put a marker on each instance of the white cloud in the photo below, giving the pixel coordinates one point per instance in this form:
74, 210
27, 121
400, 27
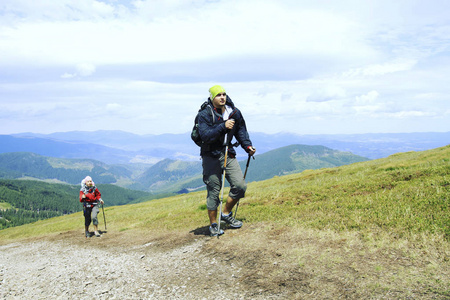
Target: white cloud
369, 98
303, 66
177, 31
326, 93
68, 76
113, 107
408, 114
83, 70
382, 69
61, 10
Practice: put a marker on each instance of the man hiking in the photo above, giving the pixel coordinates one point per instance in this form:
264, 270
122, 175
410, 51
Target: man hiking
91, 197
218, 122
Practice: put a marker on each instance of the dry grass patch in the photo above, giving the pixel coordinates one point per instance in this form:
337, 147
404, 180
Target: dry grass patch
296, 262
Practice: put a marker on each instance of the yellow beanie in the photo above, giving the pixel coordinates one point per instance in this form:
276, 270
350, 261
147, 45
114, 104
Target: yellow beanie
217, 89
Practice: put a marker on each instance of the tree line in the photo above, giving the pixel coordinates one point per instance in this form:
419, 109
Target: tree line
35, 200
18, 164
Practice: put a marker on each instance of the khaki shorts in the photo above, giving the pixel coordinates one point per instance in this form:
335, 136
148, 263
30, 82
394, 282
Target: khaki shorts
212, 177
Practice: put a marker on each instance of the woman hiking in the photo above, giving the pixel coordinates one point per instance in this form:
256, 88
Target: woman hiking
90, 197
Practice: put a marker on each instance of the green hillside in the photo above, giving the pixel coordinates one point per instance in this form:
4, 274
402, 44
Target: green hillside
295, 159
26, 201
168, 176
370, 230
404, 194
24, 164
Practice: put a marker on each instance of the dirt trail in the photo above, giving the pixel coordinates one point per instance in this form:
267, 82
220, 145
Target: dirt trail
71, 267
255, 262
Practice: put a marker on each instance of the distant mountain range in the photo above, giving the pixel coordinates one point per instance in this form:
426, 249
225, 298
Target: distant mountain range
170, 163
167, 176
131, 168
118, 147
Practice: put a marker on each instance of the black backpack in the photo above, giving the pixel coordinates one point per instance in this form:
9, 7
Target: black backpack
195, 135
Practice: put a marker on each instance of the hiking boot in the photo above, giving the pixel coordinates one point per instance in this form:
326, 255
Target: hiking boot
214, 230
231, 221
87, 233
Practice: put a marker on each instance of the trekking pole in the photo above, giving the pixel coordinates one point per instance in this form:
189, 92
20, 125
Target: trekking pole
245, 174
227, 142
223, 185
104, 218
248, 162
84, 217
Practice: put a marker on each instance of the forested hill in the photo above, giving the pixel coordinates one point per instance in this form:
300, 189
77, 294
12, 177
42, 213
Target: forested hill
25, 164
26, 201
167, 176
295, 159
185, 177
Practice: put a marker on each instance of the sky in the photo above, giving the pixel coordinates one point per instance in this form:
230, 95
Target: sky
145, 66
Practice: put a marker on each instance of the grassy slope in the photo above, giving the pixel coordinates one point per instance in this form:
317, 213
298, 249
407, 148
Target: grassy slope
404, 194
397, 205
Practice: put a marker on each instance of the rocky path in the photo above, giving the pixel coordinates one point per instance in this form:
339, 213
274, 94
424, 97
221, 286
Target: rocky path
64, 269
249, 263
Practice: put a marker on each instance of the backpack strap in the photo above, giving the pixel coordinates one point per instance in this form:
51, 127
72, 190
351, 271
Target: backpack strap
205, 105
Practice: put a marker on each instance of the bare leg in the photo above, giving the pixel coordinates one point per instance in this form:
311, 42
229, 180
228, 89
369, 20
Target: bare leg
229, 205
96, 230
212, 216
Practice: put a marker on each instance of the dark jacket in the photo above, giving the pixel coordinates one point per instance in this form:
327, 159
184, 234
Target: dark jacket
213, 132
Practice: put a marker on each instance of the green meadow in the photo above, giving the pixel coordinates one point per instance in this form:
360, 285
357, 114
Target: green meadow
375, 218
404, 195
